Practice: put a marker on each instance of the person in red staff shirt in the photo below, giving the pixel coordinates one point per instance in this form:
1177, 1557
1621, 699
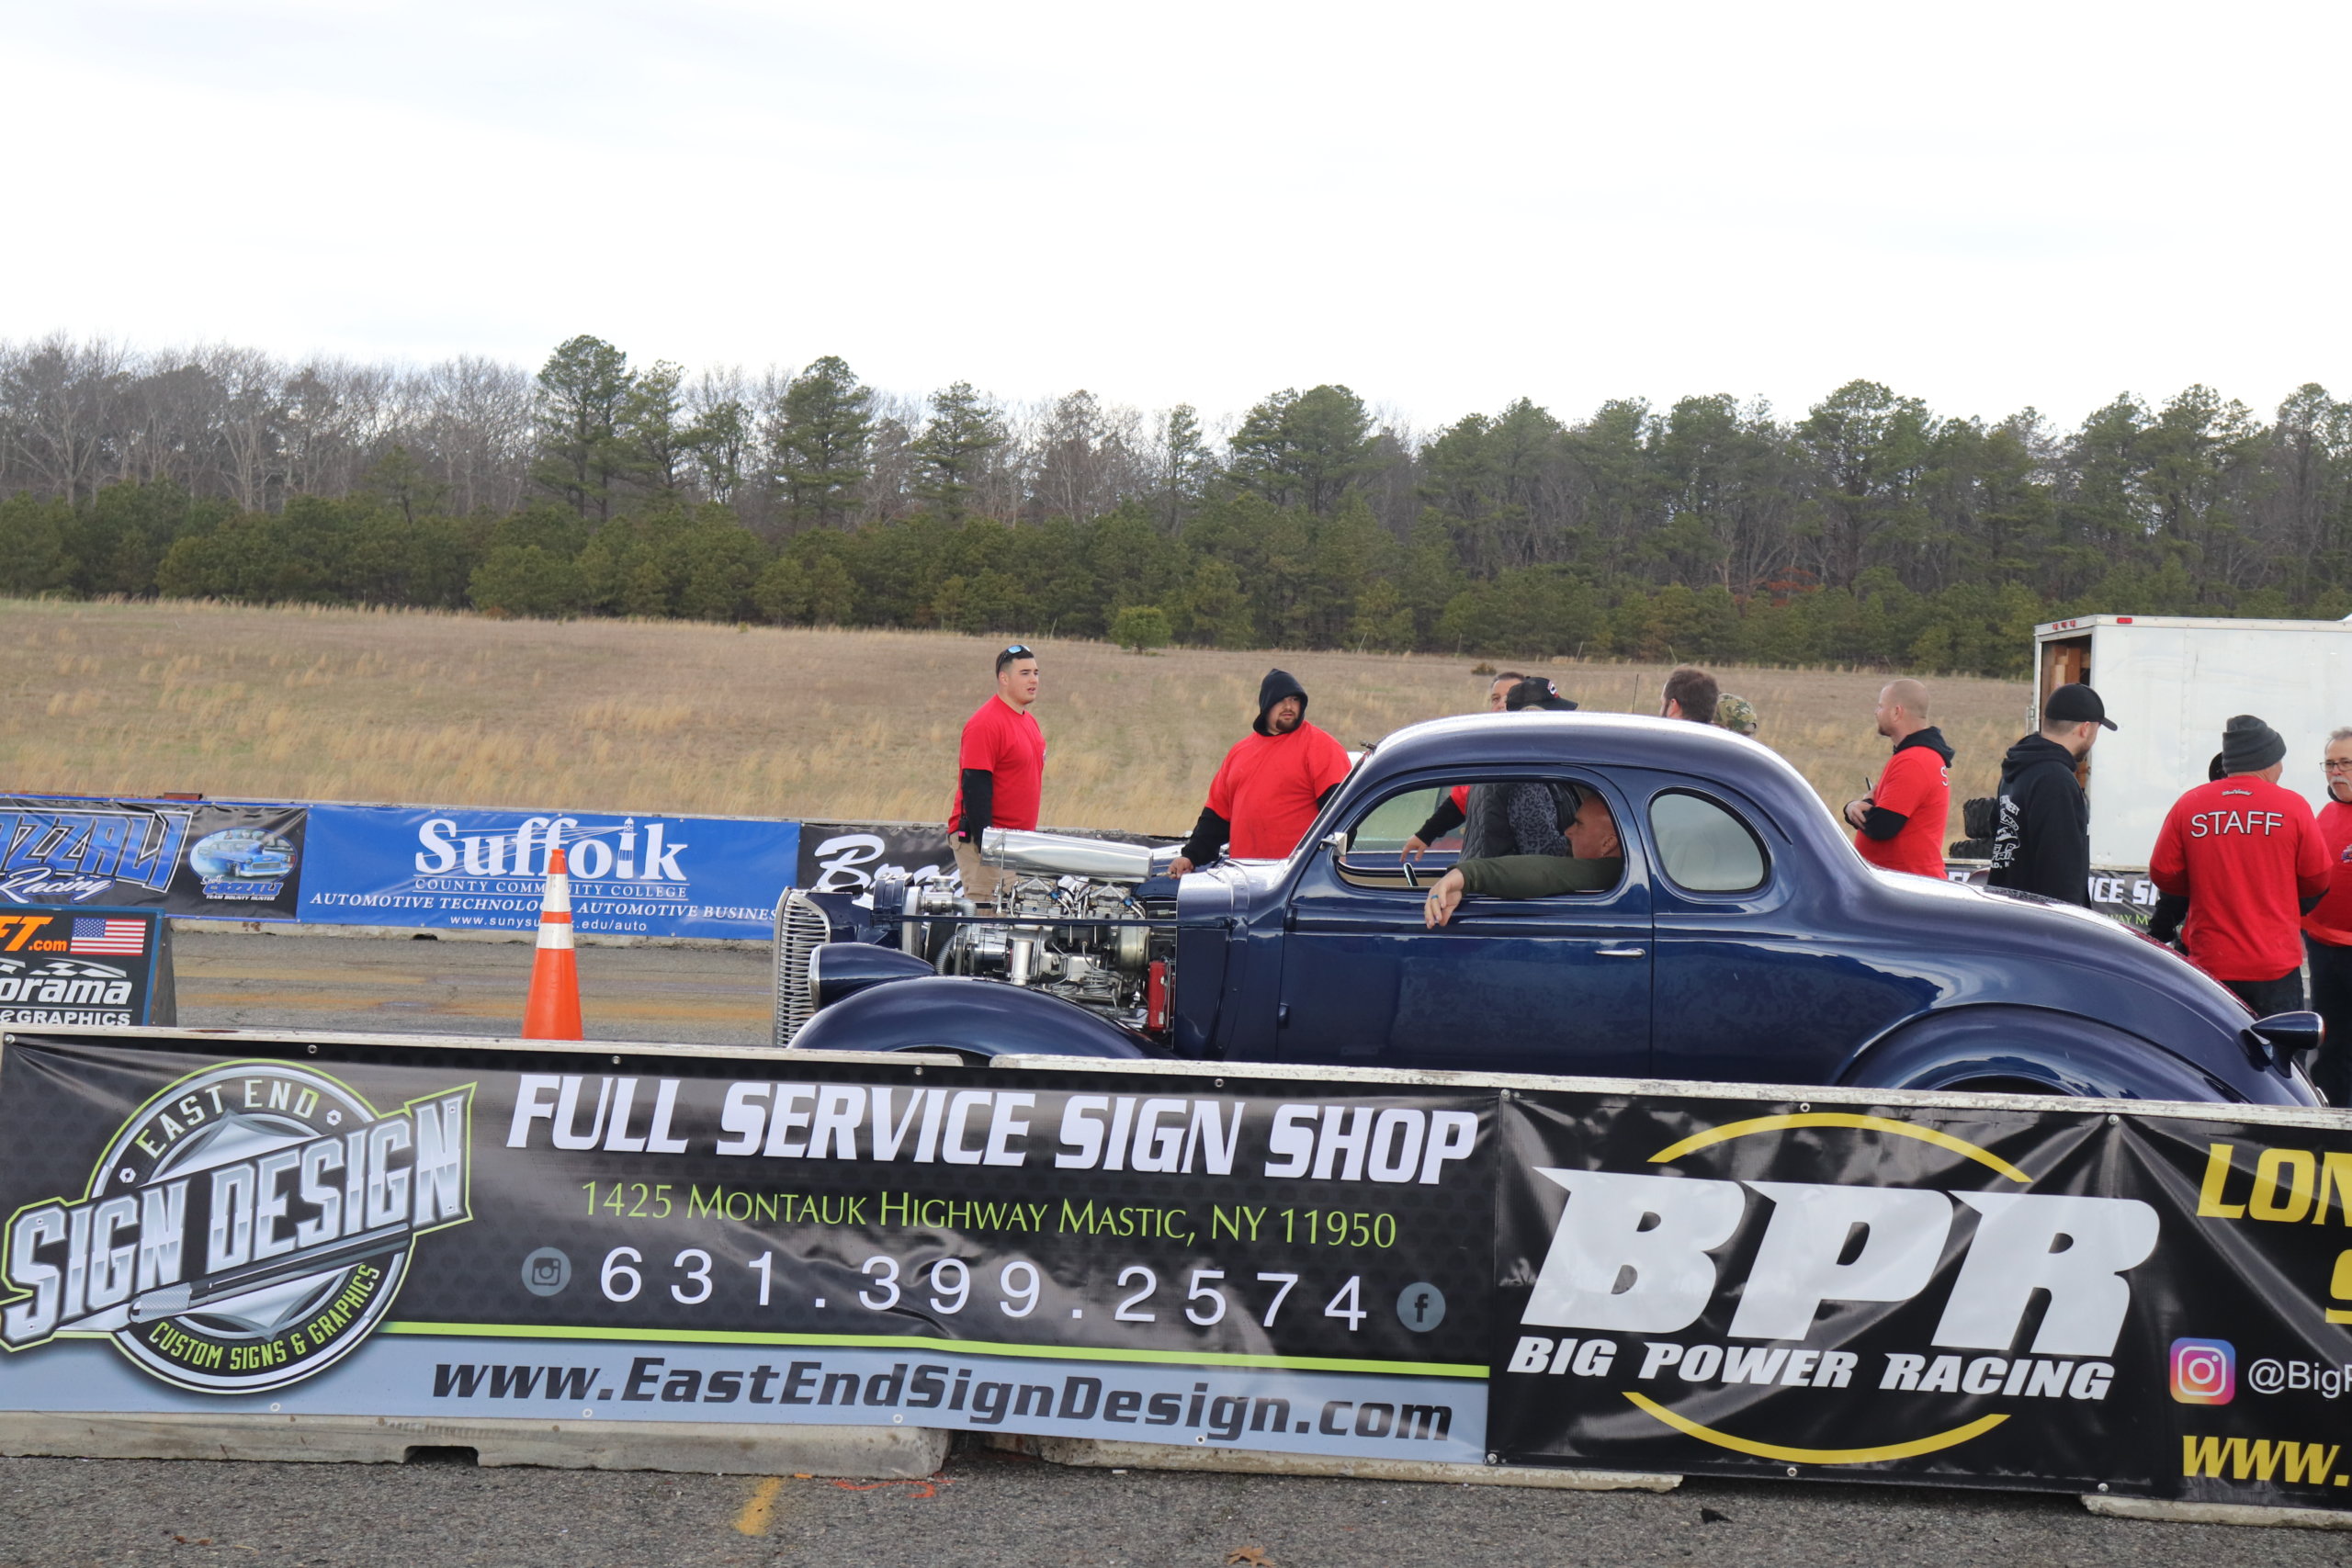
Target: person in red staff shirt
2327, 928
1002, 765
2248, 857
1900, 824
1270, 786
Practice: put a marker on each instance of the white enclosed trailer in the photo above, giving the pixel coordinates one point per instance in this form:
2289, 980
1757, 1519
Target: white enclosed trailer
2170, 684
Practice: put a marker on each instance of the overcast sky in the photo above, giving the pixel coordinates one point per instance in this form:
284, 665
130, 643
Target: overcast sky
1444, 206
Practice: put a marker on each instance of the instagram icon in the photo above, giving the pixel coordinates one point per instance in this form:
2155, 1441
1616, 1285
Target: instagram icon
2204, 1371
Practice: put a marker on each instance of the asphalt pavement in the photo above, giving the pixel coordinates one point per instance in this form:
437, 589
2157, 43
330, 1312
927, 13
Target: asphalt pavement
984, 1507
705, 996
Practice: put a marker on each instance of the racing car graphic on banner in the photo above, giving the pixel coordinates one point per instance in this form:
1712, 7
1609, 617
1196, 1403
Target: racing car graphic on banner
1742, 940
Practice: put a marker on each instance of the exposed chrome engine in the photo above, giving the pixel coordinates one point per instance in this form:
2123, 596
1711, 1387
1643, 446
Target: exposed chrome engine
1069, 920
1089, 942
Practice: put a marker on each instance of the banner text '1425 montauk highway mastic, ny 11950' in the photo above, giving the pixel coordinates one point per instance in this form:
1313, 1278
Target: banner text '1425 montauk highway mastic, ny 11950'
1308, 1263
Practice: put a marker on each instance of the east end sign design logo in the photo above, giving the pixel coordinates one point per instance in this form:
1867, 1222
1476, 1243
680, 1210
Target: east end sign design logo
245, 1230
1631, 1256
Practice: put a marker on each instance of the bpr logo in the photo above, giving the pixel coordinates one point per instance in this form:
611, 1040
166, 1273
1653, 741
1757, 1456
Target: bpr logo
2204, 1371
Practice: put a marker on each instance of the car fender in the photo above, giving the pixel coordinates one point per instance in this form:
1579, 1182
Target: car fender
2056, 1053
839, 970
975, 1018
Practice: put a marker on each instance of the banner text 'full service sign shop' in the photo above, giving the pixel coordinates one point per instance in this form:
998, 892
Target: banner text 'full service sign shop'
2154, 1304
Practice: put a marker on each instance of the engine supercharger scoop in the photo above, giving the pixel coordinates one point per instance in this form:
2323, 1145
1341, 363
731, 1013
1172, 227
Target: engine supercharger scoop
1057, 854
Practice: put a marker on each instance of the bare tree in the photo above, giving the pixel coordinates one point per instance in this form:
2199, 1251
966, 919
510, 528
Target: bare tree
251, 409
60, 397
472, 430
889, 490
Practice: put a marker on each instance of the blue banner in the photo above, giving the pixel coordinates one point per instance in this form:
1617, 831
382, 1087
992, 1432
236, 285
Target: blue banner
467, 869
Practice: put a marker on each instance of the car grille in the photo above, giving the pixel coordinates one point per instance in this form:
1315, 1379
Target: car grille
800, 929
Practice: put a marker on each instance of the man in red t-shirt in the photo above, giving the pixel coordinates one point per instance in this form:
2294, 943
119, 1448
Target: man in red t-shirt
2327, 928
1271, 786
1900, 824
1002, 765
2247, 856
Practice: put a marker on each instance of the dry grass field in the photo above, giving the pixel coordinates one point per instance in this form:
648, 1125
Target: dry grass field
446, 709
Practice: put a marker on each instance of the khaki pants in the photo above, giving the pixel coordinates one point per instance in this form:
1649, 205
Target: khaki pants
980, 878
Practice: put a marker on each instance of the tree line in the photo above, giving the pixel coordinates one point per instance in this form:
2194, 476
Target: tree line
1868, 530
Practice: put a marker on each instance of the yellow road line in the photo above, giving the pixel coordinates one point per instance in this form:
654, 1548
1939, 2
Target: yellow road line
759, 1509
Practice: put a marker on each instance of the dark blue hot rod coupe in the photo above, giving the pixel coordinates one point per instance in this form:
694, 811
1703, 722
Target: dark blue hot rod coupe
1743, 941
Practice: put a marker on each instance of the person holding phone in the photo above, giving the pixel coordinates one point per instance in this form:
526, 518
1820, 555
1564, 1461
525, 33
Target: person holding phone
1899, 821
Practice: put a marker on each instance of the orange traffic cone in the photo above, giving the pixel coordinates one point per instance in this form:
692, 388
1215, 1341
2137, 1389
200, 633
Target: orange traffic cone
553, 1010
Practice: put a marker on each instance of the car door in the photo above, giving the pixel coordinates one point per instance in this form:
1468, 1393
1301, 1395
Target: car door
1755, 982
1552, 985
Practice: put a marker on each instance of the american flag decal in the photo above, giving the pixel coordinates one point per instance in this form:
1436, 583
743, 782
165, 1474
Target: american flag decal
128, 937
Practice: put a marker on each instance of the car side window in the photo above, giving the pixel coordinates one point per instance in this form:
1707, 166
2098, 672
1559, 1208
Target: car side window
1387, 827
1703, 847
1375, 854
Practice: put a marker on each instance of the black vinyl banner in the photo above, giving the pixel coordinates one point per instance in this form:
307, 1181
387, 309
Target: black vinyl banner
2082, 1302
81, 967
2072, 1300
189, 858
391, 1230
846, 857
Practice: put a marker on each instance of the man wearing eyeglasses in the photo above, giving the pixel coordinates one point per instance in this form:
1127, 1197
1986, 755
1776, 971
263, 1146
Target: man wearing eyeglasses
1002, 770
2327, 929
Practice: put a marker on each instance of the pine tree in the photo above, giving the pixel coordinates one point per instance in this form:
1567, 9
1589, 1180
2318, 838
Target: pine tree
1186, 464
824, 442
955, 449
583, 393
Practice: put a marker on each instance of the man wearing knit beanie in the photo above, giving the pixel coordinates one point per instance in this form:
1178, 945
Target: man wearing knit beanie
2248, 857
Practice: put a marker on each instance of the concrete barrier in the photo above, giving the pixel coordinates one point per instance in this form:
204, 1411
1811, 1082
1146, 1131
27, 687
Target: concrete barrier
877, 1453
1096, 1453
2160, 1511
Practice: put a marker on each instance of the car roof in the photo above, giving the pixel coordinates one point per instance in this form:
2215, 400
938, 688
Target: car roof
1671, 745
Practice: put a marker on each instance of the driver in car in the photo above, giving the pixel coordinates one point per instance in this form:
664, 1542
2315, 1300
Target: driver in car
1595, 861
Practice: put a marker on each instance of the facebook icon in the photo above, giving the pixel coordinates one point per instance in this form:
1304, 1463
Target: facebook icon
1420, 1307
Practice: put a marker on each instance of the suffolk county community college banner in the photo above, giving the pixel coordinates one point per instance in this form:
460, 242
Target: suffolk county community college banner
467, 869
464, 1234
225, 860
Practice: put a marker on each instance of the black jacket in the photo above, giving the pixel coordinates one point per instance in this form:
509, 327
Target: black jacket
2042, 842
1514, 820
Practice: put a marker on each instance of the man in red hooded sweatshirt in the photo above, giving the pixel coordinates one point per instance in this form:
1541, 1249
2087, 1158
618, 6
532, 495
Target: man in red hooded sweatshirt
1271, 786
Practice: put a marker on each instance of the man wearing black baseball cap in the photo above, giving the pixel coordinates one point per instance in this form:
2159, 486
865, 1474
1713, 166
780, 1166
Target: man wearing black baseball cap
2042, 842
